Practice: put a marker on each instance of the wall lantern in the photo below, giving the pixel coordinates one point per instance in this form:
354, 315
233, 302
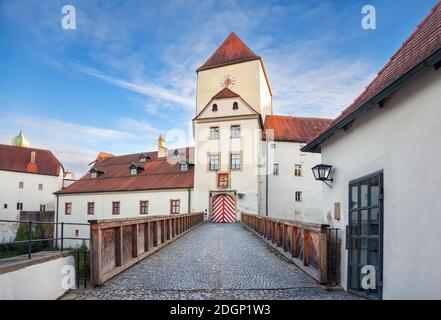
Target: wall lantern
322, 172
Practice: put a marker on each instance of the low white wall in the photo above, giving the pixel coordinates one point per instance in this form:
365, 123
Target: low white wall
42, 281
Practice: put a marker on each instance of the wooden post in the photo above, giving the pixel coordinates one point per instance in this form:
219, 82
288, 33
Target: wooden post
323, 254
118, 246
147, 236
293, 241
155, 233
306, 246
134, 241
95, 253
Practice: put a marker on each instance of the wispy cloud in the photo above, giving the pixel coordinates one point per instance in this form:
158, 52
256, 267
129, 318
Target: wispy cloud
144, 88
77, 145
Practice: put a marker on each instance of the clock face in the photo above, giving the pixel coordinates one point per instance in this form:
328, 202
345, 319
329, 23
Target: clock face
228, 81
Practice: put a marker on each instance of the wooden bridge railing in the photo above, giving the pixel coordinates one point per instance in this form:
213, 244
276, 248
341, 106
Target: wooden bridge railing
117, 244
304, 244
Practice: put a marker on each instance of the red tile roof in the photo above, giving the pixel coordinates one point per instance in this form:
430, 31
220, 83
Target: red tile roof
421, 44
18, 159
232, 50
294, 129
158, 173
225, 93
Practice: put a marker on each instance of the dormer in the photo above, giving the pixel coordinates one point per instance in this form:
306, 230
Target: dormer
144, 157
95, 173
134, 169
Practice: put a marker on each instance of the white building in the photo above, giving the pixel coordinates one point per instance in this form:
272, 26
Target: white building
28, 179
289, 190
385, 155
225, 173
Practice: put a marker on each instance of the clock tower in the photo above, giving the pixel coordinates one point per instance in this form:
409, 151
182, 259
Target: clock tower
233, 97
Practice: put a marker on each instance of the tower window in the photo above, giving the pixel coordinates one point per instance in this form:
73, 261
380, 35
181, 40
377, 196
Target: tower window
19, 206
214, 108
40, 186
235, 161
21, 185
214, 133
213, 162
235, 106
299, 196
235, 131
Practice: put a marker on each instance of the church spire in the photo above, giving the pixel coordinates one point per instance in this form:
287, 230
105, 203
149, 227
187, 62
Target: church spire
20, 140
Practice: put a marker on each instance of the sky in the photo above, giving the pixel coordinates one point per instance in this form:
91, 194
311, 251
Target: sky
127, 72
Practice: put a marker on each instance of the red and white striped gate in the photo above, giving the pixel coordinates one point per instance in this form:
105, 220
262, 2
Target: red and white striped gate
224, 209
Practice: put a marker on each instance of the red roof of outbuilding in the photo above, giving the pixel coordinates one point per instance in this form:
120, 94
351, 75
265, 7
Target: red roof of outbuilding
232, 50
18, 159
424, 42
294, 129
157, 173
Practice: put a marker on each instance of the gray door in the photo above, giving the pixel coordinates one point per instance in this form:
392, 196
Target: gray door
365, 232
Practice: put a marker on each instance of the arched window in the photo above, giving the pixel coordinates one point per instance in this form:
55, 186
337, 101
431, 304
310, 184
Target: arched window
214, 108
235, 106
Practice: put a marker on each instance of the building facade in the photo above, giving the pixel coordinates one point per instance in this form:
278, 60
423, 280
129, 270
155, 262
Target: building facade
384, 157
29, 177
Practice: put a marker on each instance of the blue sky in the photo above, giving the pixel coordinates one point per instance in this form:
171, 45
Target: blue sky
127, 73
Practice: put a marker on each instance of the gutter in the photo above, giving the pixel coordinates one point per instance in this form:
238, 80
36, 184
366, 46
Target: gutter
405, 79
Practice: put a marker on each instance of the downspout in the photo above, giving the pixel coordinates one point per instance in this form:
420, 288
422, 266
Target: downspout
189, 200
56, 223
266, 181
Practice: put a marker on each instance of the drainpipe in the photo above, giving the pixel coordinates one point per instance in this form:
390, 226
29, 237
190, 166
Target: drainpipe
189, 200
266, 180
56, 222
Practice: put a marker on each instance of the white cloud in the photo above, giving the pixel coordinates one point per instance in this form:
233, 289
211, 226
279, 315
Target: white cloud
77, 145
144, 88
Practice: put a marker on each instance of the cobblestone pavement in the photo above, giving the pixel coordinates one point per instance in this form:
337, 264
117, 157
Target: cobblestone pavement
214, 261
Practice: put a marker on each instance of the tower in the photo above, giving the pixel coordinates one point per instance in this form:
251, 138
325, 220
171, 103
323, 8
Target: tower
233, 97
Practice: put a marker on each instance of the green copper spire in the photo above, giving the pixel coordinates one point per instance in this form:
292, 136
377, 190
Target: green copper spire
20, 140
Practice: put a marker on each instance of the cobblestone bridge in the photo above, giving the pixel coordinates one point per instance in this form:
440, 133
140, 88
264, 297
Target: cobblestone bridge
214, 261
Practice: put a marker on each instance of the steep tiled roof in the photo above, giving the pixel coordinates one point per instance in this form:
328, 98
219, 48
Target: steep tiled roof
424, 42
294, 129
158, 173
18, 159
232, 50
225, 93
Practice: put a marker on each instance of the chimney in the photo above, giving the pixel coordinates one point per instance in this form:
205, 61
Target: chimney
162, 150
33, 154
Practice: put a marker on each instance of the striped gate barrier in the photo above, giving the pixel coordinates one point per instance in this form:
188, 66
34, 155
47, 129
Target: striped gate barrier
224, 209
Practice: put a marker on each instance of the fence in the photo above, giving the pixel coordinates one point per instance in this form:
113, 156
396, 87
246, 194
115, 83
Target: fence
37, 236
117, 244
307, 245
